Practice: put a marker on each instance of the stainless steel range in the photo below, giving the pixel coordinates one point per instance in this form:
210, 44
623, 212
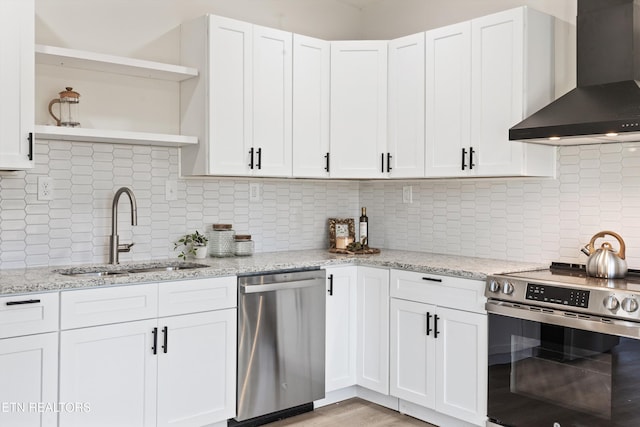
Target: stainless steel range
564, 349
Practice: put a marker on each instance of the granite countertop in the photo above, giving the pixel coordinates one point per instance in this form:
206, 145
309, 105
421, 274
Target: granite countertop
43, 279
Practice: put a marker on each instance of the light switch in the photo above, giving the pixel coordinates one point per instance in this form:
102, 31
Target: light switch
407, 194
171, 190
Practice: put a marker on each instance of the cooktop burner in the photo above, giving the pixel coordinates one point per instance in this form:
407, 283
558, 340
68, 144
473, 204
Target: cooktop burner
567, 287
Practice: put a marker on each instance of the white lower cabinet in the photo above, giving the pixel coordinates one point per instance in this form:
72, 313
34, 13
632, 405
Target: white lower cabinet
176, 370
372, 351
341, 331
29, 380
439, 354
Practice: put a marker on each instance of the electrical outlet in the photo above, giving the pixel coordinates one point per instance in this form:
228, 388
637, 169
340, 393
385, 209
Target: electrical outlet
45, 188
171, 190
407, 194
255, 192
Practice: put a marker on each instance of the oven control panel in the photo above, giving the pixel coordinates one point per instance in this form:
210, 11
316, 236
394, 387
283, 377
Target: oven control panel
557, 295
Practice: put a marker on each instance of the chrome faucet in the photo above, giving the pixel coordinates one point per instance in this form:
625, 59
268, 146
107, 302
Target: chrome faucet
115, 247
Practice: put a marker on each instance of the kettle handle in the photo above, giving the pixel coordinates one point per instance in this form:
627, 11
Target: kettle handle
605, 233
54, 101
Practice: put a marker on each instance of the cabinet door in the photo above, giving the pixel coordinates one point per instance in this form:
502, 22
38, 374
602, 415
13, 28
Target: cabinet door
497, 97
17, 76
461, 369
413, 352
358, 108
406, 107
29, 378
372, 352
196, 368
448, 100
217, 105
311, 71
272, 83
341, 331
113, 369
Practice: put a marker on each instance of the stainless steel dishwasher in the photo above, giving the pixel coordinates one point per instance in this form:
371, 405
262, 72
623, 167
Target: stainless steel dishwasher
281, 343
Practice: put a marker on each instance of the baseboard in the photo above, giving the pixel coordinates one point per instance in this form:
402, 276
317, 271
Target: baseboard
336, 396
377, 398
431, 416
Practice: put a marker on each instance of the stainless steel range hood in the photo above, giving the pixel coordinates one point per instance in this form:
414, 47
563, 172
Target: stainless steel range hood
605, 105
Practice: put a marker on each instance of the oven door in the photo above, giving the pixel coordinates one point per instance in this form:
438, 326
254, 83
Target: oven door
556, 369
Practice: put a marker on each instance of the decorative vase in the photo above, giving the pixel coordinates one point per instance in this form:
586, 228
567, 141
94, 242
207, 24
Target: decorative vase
200, 252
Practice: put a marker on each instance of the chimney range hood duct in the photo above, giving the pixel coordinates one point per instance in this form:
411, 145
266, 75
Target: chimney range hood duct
605, 105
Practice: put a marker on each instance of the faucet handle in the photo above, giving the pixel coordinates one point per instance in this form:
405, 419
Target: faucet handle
125, 247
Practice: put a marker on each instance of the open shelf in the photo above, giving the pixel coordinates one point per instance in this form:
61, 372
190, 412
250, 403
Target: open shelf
60, 56
113, 136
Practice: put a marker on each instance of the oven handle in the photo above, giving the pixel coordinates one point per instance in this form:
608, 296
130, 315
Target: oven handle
603, 325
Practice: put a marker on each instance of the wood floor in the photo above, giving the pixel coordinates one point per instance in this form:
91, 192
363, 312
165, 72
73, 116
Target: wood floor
352, 413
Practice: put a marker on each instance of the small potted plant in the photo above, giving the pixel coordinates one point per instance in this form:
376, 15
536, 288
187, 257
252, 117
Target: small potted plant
194, 245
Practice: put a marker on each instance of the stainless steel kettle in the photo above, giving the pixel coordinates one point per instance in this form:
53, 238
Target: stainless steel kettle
605, 262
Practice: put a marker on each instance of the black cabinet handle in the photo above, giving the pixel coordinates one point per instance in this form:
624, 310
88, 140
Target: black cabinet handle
435, 326
382, 162
330, 285
259, 164
326, 156
471, 151
251, 157
389, 156
464, 155
428, 323
29, 301
165, 345
30, 145
154, 348
432, 279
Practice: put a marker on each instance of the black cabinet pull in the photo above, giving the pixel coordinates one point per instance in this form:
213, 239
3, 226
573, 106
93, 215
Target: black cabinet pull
432, 279
30, 145
154, 348
330, 285
259, 164
428, 323
251, 157
464, 155
389, 156
29, 301
471, 151
435, 326
382, 162
165, 345
326, 156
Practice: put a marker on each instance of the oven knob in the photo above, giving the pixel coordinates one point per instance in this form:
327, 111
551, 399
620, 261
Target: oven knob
507, 288
611, 303
629, 305
494, 286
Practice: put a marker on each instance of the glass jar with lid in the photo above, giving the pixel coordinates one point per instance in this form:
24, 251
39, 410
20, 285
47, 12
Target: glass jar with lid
243, 245
221, 241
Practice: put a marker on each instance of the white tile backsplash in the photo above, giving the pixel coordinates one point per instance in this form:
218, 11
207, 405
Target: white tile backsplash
520, 219
75, 226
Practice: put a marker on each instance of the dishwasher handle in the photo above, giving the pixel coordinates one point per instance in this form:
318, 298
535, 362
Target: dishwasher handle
305, 283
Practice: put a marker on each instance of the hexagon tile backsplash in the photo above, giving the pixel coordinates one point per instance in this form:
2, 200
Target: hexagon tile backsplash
520, 219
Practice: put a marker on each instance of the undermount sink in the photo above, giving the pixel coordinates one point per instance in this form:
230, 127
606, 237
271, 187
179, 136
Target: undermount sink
132, 269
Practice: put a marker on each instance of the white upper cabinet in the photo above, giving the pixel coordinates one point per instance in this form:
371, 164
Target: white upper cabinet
240, 105
513, 76
17, 41
406, 104
311, 90
504, 71
358, 109
448, 99
272, 83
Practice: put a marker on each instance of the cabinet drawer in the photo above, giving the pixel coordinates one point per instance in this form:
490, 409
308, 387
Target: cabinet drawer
28, 314
190, 296
90, 307
444, 291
